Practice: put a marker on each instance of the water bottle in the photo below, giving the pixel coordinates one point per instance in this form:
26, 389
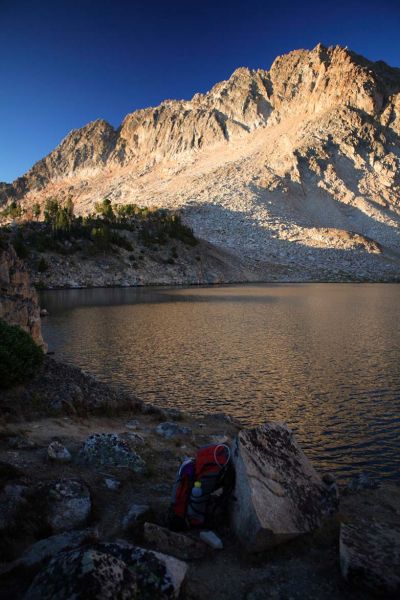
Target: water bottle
197, 505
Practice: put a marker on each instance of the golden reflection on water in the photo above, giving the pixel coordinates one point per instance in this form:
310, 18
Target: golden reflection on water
322, 357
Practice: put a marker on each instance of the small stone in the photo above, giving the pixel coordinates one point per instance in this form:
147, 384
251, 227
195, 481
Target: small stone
136, 439
176, 544
211, 539
170, 430
44, 312
173, 413
221, 416
137, 513
134, 424
151, 409
112, 484
59, 453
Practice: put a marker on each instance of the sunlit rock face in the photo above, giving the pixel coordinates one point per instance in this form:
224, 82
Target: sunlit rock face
276, 164
278, 494
18, 300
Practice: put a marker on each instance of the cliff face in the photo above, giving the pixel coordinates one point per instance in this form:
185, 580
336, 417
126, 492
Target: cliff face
18, 300
274, 165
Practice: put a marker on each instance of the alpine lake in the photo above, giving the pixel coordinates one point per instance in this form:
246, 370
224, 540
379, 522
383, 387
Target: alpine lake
324, 358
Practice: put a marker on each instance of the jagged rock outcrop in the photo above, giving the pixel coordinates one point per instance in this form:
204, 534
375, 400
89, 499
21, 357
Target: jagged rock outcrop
18, 300
275, 165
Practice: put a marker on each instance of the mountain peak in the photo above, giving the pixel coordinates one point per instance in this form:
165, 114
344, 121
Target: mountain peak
301, 84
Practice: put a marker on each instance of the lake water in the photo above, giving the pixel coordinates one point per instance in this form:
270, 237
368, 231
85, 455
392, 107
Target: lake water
325, 358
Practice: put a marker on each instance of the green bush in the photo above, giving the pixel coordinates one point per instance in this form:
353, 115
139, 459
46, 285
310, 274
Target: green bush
101, 237
20, 247
20, 357
13, 210
42, 266
3, 241
161, 225
121, 241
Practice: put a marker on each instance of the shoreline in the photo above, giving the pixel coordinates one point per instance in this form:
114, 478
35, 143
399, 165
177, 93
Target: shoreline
75, 406
217, 285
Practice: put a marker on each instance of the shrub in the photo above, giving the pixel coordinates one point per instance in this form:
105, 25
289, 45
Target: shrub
101, 237
3, 241
13, 210
121, 241
105, 209
20, 357
161, 225
20, 247
42, 266
36, 211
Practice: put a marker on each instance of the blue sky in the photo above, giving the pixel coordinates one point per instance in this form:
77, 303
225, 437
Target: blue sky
65, 63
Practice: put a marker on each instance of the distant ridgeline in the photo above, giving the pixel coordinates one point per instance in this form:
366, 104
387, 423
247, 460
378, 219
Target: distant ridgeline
297, 166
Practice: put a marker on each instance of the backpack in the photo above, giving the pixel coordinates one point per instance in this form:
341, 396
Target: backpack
213, 468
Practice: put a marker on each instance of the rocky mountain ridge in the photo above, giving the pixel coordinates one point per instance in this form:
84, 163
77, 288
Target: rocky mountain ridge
281, 165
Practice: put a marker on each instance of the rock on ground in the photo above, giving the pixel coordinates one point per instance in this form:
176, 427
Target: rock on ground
370, 556
135, 514
158, 575
86, 574
47, 548
68, 503
112, 484
211, 539
59, 453
111, 449
278, 494
115, 570
177, 544
171, 429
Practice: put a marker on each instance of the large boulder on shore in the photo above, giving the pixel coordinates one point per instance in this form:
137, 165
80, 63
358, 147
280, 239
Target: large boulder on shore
370, 556
278, 494
107, 571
